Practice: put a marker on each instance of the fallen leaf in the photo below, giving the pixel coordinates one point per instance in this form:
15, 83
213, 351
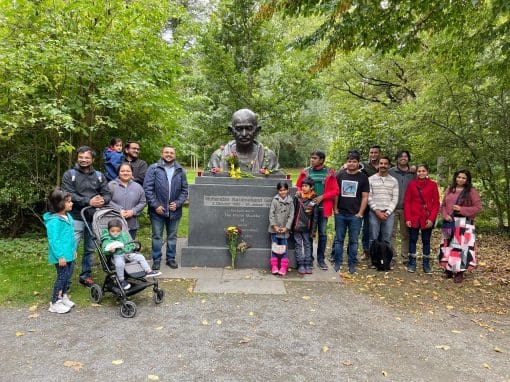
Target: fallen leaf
251, 314
347, 362
35, 315
456, 331
476, 283
205, 322
245, 340
36, 293
486, 365
19, 334
95, 305
444, 347
306, 297
496, 349
385, 373
117, 362
218, 322
153, 377
75, 365
312, 323
158, 328
33, 308
449, 307
325, 349
190, 290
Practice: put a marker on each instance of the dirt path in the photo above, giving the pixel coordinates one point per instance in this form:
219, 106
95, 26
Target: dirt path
318, 331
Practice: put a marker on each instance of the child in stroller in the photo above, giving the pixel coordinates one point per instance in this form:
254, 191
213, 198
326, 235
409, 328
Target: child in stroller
118, 243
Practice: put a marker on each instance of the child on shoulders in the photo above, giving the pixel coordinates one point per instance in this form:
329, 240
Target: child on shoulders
61, 247
118, 243
305, 222
112, 158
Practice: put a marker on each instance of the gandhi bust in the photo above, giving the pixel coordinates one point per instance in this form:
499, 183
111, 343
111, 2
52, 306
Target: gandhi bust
253, 156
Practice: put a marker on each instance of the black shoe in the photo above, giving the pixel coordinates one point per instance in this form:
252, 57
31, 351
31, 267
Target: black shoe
172, 264
323, 266
156, 264
86, 282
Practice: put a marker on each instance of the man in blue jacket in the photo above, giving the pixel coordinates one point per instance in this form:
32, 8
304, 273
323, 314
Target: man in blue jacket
166, 189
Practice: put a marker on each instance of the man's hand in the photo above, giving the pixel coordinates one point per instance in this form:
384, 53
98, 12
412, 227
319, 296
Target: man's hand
382, 215
172, 206
62, 262
160, 210
97, 201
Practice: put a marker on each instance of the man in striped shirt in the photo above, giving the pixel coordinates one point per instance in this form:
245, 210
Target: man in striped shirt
382, 199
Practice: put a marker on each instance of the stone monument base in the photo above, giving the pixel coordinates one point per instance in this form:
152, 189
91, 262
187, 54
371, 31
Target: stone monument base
216, 203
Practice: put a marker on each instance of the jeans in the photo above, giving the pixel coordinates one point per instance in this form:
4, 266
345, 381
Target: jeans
342, 224
425, 239
322, 224
382, 227
303, 248
63, 281
132, 233
365, 234
88, 248
159, 223
404, 232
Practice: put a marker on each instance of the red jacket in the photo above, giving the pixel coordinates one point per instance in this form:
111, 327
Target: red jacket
330, 190
418, 209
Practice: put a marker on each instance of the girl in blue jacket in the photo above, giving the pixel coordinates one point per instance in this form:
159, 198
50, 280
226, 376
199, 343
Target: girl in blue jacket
61, 247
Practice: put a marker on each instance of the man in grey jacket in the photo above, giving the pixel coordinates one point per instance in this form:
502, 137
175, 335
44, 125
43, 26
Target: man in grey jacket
403, 173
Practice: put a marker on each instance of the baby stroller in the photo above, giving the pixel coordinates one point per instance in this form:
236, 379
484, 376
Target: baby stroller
134, 273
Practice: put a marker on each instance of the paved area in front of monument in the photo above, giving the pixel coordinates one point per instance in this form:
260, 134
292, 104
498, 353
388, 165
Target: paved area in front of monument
247, 281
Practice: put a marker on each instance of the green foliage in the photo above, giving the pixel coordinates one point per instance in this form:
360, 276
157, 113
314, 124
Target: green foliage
246, 62
79, 72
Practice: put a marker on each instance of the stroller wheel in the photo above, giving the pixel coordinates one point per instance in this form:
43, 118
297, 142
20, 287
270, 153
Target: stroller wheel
95, 293
128, 309
158, 296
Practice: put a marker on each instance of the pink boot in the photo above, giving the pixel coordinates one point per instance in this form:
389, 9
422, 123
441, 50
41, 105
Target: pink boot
284, 263
274, 265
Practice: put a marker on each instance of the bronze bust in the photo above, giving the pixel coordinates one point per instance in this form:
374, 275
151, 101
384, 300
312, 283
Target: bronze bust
253, 156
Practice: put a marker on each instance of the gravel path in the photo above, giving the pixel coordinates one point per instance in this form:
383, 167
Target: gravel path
317, 331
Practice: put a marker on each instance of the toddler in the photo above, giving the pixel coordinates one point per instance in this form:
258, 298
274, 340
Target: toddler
118, 243
112, 158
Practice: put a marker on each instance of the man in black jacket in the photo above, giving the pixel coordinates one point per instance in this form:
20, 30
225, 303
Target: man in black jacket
139, 166
87, 187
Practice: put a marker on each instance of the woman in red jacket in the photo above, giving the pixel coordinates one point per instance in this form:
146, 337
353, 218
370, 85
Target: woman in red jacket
421, 206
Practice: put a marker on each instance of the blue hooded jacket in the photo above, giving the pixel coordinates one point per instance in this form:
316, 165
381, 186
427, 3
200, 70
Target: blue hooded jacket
60, 231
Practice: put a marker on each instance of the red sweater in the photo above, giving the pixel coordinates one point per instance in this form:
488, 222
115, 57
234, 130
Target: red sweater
415, 210
330, 190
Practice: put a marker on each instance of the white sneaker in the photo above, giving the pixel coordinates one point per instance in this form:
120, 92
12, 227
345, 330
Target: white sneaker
58, 307
67, 302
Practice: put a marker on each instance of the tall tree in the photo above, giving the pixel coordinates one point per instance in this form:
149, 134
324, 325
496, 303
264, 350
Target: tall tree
78, 72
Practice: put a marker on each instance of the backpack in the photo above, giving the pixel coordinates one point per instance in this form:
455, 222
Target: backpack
381, 255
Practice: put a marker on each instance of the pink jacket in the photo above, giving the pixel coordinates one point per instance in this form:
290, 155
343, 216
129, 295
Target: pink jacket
450, 198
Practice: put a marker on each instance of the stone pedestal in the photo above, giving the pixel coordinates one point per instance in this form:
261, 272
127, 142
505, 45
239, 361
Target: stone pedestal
218, 202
